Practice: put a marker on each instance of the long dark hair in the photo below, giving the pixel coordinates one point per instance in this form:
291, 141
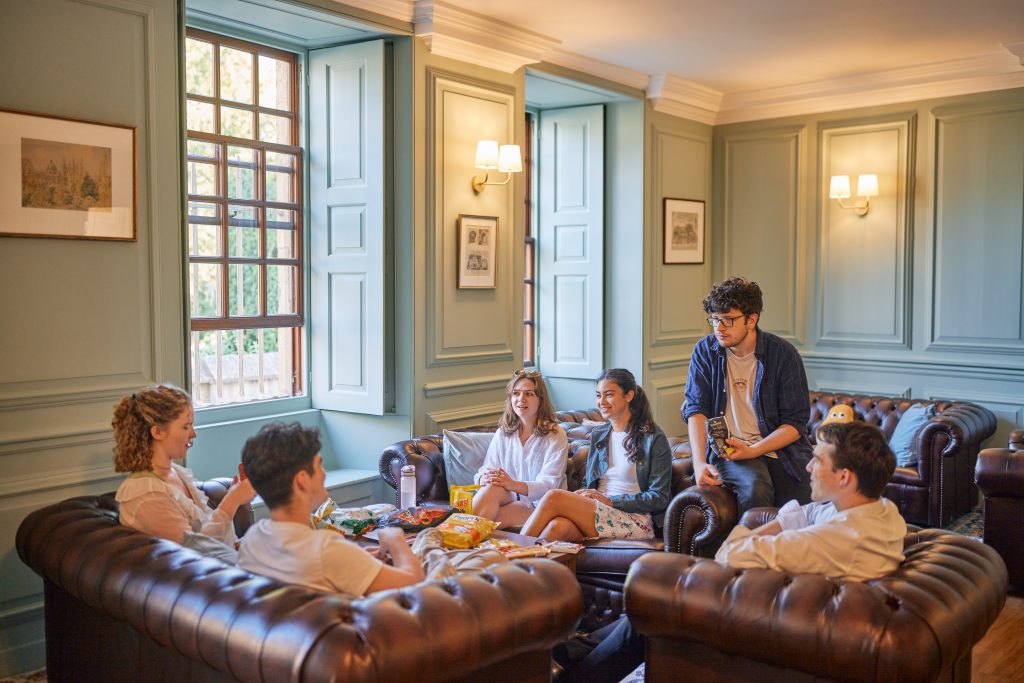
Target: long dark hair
641, 422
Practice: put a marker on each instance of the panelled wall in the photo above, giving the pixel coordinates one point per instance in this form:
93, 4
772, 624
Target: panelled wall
83, 322
921, 297
466, 342
678, 166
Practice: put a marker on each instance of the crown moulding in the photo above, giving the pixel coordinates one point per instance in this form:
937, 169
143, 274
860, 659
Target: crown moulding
454, 32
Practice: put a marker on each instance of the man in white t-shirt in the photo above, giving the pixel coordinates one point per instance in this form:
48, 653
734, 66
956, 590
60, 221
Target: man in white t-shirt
283, 463
848, 532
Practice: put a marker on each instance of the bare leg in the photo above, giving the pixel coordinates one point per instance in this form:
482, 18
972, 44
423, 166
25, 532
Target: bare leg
488, 499
562, 529
500, 504
566, 504
514, 514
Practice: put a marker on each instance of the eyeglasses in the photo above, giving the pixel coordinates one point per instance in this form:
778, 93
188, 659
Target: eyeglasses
726, 321
526, 373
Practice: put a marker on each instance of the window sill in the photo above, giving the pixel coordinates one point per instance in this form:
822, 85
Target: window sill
337, 480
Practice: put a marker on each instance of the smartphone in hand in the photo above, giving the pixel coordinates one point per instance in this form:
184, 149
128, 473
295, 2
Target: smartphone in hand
718, 432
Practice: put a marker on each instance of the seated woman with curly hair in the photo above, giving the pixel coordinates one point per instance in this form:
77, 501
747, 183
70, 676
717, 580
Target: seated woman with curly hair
153, 428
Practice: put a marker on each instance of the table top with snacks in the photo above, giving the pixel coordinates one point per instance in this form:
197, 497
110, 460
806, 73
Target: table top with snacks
460, 530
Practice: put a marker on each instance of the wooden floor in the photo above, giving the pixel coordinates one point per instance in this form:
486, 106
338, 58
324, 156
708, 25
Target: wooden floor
998, 658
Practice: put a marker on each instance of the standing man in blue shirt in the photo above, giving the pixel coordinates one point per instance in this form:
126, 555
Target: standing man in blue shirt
756, 381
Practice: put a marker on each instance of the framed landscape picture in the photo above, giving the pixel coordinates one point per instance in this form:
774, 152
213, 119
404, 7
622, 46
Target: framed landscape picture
66, 178
476, 239
684, 231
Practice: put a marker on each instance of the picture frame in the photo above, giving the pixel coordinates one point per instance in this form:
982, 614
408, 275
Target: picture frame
66, 178
477, 238
684, 231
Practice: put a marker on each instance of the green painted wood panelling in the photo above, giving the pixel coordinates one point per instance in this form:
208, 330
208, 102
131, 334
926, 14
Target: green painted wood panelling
84, 321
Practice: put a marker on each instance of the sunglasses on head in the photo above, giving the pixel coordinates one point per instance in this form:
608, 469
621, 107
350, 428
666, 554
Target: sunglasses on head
526, 373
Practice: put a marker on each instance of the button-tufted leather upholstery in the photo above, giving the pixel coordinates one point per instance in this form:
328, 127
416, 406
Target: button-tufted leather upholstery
602, 569
121, 605
918, 623
941, 486
1000, 477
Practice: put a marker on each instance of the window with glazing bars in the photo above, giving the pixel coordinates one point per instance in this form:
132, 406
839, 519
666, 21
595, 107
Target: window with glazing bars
244, 182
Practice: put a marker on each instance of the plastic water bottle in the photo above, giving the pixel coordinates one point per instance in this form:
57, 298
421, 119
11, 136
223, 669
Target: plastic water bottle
407, 487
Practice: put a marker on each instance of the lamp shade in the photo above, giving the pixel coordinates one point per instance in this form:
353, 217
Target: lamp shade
509, 159
867, 185
839, 187
487, 154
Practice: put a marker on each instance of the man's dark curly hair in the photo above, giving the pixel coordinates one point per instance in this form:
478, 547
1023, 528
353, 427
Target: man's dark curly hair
734, 293
273, 457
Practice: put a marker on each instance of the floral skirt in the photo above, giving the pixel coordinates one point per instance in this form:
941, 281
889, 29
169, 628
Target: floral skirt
614, 523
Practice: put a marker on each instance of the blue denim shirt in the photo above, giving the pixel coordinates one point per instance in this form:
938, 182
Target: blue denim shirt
780, 392
653, 472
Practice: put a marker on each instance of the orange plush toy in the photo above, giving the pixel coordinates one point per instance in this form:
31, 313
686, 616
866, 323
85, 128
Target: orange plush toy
839, 413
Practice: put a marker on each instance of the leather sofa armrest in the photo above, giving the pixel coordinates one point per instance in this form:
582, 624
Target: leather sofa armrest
698, 516
1017, 440
215, 490
1000, 472
942, 436
424, 454
755, 517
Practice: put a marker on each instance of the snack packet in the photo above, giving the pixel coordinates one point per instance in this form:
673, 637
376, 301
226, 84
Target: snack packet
461, 497
353, 521
462, 531
415, 519
322, 515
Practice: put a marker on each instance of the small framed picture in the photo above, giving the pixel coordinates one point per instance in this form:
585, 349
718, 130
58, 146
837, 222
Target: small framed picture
684, 231
477, 239
66, 178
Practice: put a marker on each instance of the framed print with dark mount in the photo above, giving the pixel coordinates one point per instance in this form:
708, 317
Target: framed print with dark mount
684, 231
66, 178
477, 237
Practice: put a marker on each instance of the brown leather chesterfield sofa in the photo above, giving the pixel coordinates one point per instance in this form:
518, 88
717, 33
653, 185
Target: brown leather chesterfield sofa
941, 486
719, 624
1000, 477
934, 492
125, 606
693, 519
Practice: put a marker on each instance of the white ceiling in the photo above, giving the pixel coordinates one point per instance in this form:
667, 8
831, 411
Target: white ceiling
734, 46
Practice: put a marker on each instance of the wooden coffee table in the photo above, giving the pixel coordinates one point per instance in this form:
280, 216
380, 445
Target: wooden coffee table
568, 559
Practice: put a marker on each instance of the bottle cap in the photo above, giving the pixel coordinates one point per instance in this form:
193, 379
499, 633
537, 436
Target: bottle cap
408, 470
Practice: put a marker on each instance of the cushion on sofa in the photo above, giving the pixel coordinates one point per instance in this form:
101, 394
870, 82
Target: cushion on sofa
903, 436
463, 454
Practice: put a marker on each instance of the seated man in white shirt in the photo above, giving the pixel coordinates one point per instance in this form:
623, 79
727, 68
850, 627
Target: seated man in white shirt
284, 465
848, 532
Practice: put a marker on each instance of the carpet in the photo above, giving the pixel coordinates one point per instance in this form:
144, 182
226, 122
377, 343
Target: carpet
971, 524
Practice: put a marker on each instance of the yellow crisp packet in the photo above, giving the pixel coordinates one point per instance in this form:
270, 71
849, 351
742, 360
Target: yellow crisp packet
461, 531
461, 497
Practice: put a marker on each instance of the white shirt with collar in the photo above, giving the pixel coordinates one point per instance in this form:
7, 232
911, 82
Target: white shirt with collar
862, 542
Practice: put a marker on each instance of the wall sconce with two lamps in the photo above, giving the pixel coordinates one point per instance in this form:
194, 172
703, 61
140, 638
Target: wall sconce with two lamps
867, 187
492, 157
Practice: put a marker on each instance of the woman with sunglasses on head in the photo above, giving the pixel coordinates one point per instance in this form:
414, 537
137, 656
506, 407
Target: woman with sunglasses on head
153, 428
628, 476
527, 456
